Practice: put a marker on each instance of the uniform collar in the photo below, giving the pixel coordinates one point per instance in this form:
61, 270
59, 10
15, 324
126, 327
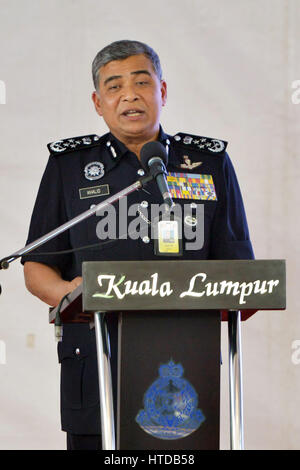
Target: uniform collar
118, 148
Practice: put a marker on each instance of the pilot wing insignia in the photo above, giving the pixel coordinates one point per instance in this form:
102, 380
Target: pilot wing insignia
188, 164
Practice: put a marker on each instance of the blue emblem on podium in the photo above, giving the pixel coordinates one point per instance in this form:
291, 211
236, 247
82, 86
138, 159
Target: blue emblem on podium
170, 405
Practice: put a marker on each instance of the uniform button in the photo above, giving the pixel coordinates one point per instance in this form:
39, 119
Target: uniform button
191, 221
77, 352
141, 172
193, 205
144, 204
146, 239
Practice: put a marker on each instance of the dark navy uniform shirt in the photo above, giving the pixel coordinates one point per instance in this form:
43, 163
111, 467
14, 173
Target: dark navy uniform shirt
63, 195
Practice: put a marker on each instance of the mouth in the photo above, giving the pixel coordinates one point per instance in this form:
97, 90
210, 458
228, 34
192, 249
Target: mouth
133, 113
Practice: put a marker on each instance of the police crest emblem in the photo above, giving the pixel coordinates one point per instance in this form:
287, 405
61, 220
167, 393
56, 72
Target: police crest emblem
94, 171
170, 405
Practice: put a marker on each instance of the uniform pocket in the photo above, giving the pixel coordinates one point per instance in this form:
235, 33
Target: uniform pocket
196, 223
79, 375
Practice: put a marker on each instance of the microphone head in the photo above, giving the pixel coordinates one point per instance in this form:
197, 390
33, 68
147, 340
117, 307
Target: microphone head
153, 149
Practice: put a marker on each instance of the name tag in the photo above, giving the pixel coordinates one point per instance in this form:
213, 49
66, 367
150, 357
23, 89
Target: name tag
191, 186
94, 191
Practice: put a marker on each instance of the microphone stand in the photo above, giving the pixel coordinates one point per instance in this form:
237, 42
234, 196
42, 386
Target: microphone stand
101, 333
5, 262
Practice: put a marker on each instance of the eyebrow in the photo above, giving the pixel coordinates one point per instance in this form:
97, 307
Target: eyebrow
136, 72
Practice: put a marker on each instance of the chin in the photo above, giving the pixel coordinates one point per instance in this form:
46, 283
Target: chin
140, 130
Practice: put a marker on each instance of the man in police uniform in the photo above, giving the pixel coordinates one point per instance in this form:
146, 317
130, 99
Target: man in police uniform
129, 95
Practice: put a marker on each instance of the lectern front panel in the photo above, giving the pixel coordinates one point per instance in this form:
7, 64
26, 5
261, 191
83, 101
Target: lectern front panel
169, 380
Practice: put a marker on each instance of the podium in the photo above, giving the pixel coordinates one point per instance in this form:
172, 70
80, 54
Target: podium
169, 319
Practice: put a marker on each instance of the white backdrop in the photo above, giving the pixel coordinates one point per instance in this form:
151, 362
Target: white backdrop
230, 67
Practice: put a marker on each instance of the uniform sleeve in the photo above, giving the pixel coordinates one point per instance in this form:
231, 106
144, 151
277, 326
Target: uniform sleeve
230, 235
48, 213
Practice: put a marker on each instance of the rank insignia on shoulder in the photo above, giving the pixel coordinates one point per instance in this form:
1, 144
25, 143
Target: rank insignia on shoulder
204, 144
74, 143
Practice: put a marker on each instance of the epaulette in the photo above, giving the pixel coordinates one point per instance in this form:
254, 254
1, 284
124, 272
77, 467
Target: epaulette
74, 143
204, 144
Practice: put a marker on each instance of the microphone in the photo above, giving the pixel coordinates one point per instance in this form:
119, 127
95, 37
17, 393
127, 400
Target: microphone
154, 160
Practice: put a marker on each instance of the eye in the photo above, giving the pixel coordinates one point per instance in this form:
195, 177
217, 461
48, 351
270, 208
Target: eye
114, 87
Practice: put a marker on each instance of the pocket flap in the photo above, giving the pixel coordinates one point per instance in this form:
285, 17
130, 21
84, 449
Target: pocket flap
72, 351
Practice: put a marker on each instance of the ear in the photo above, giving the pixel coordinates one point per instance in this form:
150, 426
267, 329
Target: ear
97, 103
164, 93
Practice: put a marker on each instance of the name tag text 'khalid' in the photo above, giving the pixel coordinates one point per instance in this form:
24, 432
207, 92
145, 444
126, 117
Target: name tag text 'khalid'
121, 288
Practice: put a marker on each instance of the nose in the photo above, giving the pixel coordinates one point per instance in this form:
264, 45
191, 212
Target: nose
129, 93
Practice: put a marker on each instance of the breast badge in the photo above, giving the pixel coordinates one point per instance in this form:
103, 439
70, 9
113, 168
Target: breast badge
94, 171
170, 405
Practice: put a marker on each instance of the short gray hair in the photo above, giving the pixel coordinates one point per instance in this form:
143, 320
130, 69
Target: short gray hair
120, 50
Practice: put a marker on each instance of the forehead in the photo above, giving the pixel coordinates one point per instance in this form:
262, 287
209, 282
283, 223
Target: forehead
126, 66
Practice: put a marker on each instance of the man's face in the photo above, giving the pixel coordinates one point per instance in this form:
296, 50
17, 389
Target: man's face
130, 98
